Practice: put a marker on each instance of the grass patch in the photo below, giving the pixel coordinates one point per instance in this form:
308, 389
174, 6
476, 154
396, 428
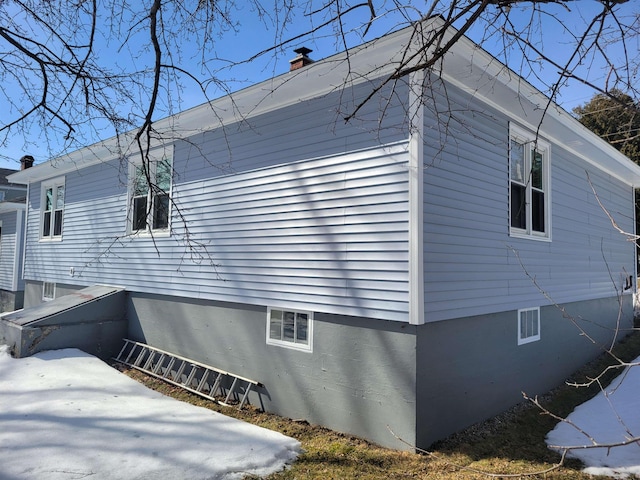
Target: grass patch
509, 444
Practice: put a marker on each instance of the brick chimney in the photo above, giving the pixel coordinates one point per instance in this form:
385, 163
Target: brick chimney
26, 162
302, 60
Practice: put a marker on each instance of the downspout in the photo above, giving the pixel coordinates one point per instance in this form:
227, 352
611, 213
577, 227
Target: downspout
416, 198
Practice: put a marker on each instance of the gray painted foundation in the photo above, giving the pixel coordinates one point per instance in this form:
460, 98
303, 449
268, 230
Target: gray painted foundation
10, 301
33, 292
473, 368
359, 379
369, 377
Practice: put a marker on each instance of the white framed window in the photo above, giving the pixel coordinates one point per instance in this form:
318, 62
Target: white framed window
48, 291
149, 194
529, 181
528, 325
290, 328
52, 209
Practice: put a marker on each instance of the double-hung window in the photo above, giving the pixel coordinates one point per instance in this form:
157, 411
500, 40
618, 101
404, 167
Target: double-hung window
52, 209
529, 196
150, 190
289, 328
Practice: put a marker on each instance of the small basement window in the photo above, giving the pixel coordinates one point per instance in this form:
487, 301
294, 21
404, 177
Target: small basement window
48, 291
289, 328
528, 325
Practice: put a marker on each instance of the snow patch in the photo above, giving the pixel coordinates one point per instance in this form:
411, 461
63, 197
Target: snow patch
66, 414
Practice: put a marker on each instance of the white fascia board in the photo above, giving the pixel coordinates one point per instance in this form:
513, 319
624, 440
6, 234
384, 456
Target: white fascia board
470, 68
107, 150
466, 65
370, 62
373, 60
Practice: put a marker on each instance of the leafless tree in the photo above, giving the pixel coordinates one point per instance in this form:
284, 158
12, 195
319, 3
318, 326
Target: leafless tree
75, 72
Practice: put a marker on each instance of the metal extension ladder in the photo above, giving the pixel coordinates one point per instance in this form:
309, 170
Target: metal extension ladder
209, 382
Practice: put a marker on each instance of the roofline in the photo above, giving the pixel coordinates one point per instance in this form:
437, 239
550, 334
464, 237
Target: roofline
316, 80
619, 165
268, 95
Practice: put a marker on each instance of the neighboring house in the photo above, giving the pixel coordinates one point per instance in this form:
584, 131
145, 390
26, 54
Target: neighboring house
12, 215
398, 272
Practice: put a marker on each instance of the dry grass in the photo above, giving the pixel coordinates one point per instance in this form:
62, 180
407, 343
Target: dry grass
509, 445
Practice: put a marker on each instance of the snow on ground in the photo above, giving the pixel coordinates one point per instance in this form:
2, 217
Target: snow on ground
609, 417
66, 415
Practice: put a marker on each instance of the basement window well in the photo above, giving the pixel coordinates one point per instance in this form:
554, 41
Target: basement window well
289, 328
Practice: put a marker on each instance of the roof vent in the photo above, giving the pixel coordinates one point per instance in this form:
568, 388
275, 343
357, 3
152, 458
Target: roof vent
302, 60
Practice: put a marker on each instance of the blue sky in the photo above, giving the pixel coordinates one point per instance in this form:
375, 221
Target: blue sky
252, 36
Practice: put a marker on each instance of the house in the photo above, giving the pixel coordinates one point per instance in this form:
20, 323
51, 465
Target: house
410, 271
12, 215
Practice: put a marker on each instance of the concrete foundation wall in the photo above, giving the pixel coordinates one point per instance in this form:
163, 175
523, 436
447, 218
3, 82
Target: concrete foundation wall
366, 376
359, 379
33, 292
473, 368
92, 320
10, 301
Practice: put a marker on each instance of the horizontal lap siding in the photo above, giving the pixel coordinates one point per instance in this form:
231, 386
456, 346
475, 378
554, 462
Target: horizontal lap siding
94, 218
472, 265
464, 210
8, 250
331, 239
326, 235
305, 130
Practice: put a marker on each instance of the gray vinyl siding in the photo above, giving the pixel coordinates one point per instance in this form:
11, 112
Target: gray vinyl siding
473, 266
9, 248
309, 129
267, 212
326, 235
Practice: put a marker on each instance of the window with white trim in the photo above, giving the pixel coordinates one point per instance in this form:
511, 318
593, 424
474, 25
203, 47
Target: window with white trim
52, 209
529, 202
149, 193
48, 291
289, 328
528, 325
